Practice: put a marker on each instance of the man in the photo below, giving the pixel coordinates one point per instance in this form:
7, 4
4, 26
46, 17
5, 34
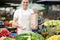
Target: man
34, 19
22, 18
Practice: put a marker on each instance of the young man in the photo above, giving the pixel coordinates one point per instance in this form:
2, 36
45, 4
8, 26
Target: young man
22, 18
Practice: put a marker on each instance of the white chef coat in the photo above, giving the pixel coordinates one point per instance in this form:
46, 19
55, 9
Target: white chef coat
23, 19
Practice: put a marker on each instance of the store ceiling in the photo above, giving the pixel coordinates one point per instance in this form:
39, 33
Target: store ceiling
14, 1
3, 2
48, 2
9, 2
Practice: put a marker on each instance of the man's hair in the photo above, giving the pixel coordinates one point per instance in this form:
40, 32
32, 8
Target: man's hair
29, 1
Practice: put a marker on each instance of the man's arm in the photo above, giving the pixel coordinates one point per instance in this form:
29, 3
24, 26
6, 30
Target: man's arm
16, 24
34, 21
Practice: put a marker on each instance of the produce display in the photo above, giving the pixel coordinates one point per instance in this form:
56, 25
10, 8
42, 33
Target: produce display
51, 23
55, 37
5, 35
7, 38
2, 38
29, 36
4, 32
2, 18
24, 36
9, 23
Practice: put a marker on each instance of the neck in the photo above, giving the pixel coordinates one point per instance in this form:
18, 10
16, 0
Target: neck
24, 8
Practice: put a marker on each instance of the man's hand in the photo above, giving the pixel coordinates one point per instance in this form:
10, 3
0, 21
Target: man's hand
33, 27
22, 27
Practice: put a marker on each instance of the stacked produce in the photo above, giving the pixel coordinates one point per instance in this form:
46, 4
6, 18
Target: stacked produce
9, 23
6, 35
4, 32
55, 37
29, 36
7, 38
6, 23
51, 23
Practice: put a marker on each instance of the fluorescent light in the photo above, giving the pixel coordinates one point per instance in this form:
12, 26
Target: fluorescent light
12, 4
47, 0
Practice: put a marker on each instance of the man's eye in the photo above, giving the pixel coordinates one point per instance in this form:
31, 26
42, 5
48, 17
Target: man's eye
25, 2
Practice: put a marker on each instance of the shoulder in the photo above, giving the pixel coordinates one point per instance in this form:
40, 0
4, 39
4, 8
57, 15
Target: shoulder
18, 10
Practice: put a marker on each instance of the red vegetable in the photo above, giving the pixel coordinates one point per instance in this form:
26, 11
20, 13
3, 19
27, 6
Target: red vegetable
4, 32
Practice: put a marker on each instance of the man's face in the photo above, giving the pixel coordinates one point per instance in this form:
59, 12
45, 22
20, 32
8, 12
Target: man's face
41, 13
25, 3
35, 10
